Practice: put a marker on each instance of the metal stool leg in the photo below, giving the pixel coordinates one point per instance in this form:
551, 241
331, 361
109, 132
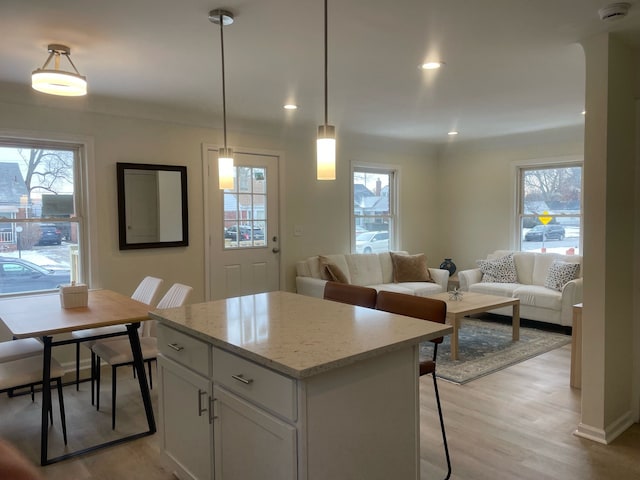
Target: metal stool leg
444, 435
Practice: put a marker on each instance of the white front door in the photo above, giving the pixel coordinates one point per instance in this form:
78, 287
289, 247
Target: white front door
243, 227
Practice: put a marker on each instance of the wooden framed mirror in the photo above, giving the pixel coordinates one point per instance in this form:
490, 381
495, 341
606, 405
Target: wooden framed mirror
152, 206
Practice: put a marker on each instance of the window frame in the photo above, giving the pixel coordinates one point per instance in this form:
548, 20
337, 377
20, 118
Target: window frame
84, 182
393, 216
518, 174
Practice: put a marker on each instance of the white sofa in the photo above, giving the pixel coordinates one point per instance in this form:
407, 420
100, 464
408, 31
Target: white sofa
371, 270
537, 302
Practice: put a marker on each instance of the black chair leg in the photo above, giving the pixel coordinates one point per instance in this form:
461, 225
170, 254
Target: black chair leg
444, 435
150, 376
97, 383
113, 398
93, 376
78, 367
63, 417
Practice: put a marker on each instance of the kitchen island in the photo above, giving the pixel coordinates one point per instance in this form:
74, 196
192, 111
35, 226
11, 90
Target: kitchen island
285, 386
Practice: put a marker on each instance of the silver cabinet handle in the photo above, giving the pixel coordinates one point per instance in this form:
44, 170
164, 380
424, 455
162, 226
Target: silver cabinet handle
175, 346
240, 378
212, 415
200, 409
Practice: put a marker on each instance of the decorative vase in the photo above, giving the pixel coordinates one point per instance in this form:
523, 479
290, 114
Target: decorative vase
449, 266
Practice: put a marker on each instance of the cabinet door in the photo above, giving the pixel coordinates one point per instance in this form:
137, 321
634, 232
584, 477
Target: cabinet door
250, 443
185, 424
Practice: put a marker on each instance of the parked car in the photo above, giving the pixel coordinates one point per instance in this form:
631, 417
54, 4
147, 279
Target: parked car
372, 242
17, 275
545, 232
246, 233
50, 235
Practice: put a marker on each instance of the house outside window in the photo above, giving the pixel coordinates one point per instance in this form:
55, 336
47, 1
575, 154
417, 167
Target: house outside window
374, 210
550, 208
41, 219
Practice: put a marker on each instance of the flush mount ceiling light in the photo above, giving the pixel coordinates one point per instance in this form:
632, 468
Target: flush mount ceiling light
225, 155
614, 11
326, 142
56, 81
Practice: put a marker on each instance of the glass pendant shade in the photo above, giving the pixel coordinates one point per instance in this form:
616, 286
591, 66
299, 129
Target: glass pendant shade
226, 169
56, 81
326, 153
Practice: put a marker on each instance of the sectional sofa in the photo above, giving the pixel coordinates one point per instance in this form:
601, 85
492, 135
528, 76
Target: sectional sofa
391, 271
547, 284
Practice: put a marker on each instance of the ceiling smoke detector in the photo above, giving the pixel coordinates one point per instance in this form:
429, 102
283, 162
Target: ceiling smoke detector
614, 11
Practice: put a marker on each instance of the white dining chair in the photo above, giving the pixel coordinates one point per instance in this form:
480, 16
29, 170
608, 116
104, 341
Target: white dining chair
117, 352
20, 348
146, 292
27, 372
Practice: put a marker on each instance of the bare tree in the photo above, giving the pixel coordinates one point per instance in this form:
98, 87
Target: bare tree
553, 184
47, 170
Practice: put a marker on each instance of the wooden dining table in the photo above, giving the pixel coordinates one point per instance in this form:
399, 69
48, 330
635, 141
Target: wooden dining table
43, 316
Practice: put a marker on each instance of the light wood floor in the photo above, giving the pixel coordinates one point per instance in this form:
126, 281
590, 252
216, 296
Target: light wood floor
514, 424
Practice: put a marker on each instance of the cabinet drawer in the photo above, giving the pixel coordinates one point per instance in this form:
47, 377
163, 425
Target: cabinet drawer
256, 383
184, 349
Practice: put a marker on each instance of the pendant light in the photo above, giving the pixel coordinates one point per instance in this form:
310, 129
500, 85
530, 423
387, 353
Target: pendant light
59, 82
326, 143
225, 155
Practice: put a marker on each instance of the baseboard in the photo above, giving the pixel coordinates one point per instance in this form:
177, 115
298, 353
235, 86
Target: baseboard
610, 433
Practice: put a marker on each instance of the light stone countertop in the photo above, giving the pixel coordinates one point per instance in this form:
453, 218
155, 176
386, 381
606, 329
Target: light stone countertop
297, 335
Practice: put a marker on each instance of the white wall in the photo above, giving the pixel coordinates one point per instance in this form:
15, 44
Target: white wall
477, 189
175, 138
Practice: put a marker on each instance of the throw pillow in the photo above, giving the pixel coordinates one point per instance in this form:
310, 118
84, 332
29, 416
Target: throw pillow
332, 271
410, 268
500, 270
561, 273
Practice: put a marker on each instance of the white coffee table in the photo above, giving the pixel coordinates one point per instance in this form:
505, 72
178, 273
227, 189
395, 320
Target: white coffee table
476, 303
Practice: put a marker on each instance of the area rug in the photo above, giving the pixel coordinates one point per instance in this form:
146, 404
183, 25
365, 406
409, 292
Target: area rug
486, 347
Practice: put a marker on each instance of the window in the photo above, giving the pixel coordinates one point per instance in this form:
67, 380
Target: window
245, 215
550, 208
374, 210
40, 216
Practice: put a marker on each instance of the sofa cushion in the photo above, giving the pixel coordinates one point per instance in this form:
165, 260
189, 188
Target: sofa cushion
539, 296
410, 268
332, 271
338, 260
392, 287
421, 289
560, 273
501, 270
387, 267
524, 262
495, 288
364, 269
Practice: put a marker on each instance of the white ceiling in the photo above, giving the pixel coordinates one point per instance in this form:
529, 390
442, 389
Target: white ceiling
511, 65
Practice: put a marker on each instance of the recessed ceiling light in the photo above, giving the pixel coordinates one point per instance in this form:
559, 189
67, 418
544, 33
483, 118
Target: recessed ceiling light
431, 65
452, 133
290, 106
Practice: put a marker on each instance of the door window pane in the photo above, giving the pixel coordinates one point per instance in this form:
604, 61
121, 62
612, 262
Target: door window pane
245, 209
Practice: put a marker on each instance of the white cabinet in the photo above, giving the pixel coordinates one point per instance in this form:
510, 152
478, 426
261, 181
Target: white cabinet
185, 423
186, 436
244, 421
251, 444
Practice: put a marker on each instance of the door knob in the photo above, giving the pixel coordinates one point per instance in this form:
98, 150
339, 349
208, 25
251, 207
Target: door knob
275, 249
